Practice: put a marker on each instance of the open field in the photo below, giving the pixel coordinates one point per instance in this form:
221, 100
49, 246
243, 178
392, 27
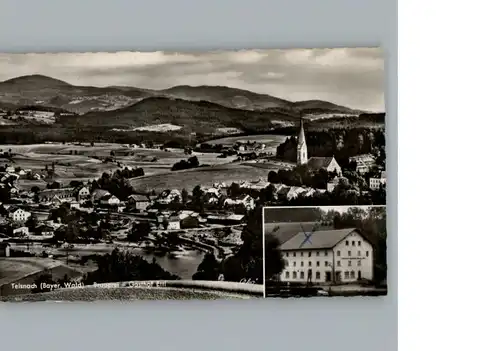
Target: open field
78, 162
204, 176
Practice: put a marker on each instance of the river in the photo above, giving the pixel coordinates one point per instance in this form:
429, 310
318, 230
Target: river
184, 264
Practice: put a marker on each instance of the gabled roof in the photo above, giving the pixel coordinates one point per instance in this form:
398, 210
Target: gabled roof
99, 193
139, 198
321, 162
322, 239
283, 190
284, 231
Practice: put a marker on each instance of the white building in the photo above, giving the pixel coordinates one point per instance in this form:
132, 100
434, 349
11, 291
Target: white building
375, 183
327, 256
245, 200
174, 223
83, 193
20, 232
18, 214
110, 200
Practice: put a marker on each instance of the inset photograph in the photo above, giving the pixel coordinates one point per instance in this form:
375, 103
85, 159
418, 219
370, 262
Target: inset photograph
325, 251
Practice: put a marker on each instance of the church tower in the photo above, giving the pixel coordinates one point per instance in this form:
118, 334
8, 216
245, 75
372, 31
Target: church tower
301, 146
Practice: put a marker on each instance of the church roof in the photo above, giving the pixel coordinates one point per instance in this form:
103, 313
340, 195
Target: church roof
320, 162
302, 137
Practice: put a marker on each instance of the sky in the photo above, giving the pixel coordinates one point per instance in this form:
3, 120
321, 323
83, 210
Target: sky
352, 77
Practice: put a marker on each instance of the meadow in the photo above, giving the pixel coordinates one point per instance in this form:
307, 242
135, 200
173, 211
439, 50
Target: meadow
203, 176
79, 162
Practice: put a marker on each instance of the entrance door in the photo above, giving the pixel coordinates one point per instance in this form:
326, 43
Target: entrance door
328, 276
338, 276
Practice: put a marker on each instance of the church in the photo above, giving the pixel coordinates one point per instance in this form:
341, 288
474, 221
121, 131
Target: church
314, 163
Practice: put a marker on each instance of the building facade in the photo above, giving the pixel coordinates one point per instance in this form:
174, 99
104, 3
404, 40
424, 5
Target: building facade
19, 215
327, 257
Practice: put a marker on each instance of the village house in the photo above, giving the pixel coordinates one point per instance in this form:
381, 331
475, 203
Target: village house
211, 195
173, 196
328, 257
98, 194
174, 223
50, 195
232, 219
83, 193
245, 201
20, 232
18, 214
4, 249
44, 230
190, 222
138, 202
364, 163
109, 200
375, 183
332, 184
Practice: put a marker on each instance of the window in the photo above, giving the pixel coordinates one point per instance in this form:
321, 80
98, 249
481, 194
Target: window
352, 274
294, 263
367, 253
294, 254
287, 275
348, 253
339, 264
359, 253
302, 263
318, 275
326, 252
310, 253
347, 243
287, 254
349, 263
317, 263
301, 275
317, 253
338, 253
359, 263
310, 263
359, 243
346, 275
294, 275
326, 263
302, 254
353, 243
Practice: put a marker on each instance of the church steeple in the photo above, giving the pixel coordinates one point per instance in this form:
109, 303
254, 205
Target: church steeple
301, 145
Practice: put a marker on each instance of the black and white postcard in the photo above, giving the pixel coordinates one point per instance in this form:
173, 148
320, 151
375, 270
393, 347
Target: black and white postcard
144, 175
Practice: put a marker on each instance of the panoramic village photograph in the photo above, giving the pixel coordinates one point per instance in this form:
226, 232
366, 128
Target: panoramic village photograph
144, 175
325, 251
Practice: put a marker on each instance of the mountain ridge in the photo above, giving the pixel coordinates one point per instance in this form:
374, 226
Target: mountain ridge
39, 89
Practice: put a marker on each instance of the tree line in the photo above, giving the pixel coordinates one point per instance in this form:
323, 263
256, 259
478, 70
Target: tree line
341, 143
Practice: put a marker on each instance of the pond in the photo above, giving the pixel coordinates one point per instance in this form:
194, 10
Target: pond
183, 263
